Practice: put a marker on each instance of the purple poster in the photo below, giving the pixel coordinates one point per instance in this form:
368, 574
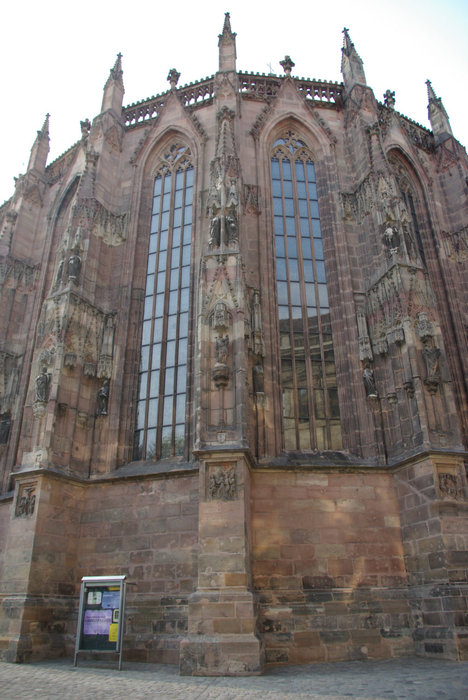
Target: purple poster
97, 621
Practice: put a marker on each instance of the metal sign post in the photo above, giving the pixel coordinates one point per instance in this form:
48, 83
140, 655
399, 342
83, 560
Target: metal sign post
101, 616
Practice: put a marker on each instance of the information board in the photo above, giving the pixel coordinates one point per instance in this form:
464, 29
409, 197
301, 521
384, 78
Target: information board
101, 615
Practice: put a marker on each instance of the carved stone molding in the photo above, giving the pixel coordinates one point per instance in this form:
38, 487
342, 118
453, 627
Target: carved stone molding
456, 244
18, 272
25, 500
399, 292
450, 486
81, 419
9, 373
419, 136
85, 332
222, 482
112, 228
251, 199
260, 121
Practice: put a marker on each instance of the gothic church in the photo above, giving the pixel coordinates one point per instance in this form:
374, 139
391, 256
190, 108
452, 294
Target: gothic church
233, 368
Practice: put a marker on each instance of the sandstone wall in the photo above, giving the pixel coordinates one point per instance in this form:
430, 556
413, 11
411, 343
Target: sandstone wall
328, 566
147, 530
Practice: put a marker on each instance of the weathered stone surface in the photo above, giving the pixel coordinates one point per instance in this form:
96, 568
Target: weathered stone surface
242, 549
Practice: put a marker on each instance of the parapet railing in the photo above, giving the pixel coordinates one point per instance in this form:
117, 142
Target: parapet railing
191, 95
251, 85
262, 86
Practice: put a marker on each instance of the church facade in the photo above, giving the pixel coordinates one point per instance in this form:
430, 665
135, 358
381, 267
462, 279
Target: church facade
233, 368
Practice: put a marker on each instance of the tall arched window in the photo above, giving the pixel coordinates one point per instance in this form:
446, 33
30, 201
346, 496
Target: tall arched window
408, 192
160, 429
308, 378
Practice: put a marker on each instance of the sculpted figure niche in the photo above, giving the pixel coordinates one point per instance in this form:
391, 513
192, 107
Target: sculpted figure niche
42, 385
103, 399
222, 347
369, 381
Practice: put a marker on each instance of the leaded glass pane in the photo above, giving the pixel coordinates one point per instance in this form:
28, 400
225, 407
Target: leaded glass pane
160, 420
308, 375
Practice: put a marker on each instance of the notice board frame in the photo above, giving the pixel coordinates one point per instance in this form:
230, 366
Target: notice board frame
97, 616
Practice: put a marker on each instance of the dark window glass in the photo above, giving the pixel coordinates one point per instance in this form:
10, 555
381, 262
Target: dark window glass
311, 417
160, 421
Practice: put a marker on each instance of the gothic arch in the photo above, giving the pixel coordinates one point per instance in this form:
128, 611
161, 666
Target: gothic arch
164, 277
306, 364
312, 135
60, 219
412, 191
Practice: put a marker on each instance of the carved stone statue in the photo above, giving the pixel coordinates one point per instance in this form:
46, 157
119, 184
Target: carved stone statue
215, 232
58, 278
232, 198
231, 227
391, 238
74, 265
85, 128
42, 385
220, 315
103, 399
369, 381
25, 502
431, 355
5, 425
389, 98
222, 348
449, 486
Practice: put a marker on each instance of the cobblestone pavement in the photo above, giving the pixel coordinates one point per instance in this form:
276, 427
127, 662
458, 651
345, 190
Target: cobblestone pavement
422, 679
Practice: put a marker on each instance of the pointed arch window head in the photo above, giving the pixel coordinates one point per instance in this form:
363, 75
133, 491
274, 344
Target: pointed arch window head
161, 417
308, 378
412, 224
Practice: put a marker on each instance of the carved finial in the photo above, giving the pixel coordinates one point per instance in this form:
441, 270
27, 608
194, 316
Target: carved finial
437, 116
287, 65
227, 31
114, 88
173, 78
85, 128
351, 63
430, 91
227, 46
45, 126
40, 148
389, 99
117, 68
347, 43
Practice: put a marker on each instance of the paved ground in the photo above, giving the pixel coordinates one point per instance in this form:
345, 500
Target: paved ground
422, 679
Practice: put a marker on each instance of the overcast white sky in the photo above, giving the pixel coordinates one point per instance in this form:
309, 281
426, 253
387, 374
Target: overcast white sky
55, 56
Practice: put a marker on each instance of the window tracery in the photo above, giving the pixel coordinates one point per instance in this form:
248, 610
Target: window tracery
161, 420
311, 417
410, 220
